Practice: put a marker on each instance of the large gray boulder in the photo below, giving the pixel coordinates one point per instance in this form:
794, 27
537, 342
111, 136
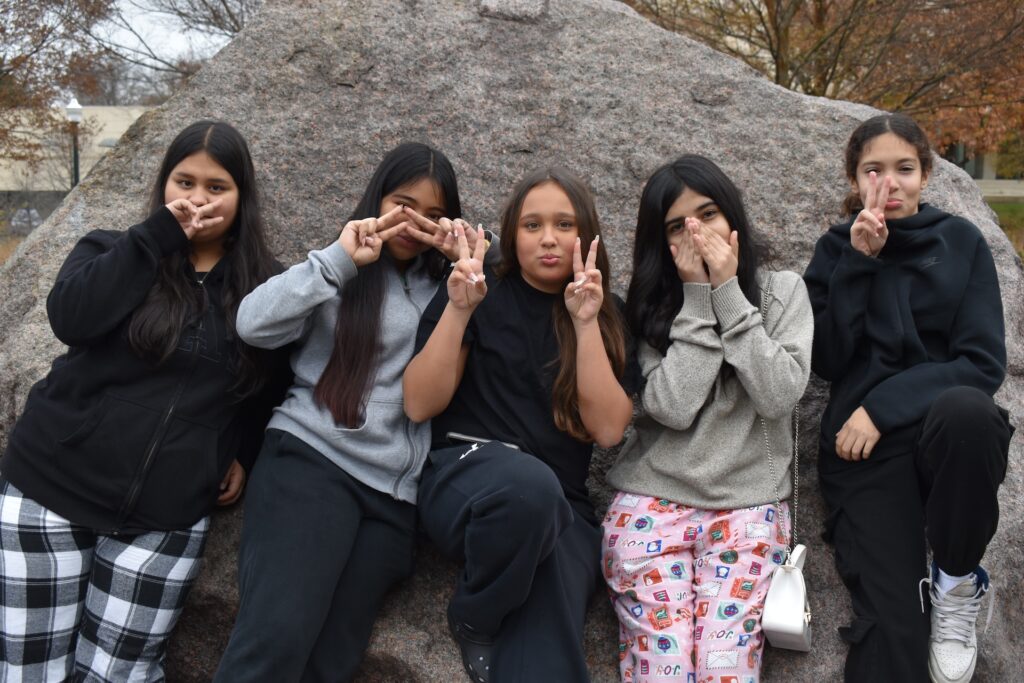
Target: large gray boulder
323, 89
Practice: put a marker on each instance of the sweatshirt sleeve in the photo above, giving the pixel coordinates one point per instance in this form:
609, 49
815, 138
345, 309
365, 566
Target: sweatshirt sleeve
279, 310
108, 275
772, 369
838, 281
679, 383
977, 352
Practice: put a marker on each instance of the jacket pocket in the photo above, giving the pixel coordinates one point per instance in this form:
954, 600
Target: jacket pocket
105, 449
183, 478
383, 427
89, 424
385, 442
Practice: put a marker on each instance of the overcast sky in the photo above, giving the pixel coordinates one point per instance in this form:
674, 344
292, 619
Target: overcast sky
164, 34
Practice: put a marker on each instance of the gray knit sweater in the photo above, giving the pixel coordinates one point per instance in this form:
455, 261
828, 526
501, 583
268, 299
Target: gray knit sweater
301, 304
699, 441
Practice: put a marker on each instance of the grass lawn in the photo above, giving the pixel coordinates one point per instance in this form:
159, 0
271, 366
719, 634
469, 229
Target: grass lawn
1011, 219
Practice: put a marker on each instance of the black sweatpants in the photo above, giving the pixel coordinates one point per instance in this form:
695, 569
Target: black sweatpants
319, 550
531, 559
883, 509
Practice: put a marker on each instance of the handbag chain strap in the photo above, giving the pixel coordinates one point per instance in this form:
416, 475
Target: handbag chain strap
765, 299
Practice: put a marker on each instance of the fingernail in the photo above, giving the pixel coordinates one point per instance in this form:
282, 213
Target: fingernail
597, 238
472, 278
582, 281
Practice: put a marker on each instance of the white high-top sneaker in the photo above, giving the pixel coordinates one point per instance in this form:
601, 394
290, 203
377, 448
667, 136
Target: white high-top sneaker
953, 646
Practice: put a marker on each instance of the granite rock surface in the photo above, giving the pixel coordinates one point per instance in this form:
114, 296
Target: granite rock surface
322, 89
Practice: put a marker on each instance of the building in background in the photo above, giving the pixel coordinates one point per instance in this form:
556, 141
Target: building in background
30, 191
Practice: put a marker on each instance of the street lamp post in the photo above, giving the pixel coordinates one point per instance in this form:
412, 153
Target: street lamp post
74, 113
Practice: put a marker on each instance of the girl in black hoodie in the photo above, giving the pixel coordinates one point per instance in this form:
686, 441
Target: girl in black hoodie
152, 417
909, 331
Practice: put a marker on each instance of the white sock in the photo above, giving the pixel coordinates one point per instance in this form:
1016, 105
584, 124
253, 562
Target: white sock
946, 583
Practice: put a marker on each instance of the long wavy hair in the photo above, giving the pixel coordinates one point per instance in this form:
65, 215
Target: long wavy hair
564, 396
345, 382
174, 301
900, 125
655, 293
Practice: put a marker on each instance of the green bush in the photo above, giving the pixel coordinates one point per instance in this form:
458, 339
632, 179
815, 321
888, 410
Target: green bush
1011, 220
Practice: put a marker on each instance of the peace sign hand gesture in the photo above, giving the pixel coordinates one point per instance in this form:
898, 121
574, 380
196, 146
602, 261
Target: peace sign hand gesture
869, 231
364, 238
194, 219
584, 295
440, 234
466, 286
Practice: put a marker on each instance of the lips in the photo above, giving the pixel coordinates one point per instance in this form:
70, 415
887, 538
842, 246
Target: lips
550, 259
894, 204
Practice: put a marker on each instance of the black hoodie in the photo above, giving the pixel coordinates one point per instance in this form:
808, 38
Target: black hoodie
891, 333
121, 444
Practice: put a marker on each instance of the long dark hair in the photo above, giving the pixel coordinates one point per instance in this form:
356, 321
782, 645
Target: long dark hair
345, 381
899, 125
655, 292
174, 300
563, 395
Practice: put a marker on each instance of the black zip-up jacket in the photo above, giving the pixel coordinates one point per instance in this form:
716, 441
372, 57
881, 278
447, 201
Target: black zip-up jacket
891, 333
117, 443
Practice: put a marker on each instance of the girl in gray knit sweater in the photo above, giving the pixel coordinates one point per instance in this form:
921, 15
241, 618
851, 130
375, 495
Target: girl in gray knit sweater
693, 534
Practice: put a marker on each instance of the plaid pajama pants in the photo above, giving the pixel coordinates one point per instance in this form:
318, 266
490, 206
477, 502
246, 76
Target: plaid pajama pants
84, 606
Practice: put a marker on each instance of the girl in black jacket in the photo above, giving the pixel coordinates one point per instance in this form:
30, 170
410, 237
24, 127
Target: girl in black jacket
909, 330
151, 418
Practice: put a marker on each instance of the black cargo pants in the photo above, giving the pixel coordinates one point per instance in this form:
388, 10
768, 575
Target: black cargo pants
882, 512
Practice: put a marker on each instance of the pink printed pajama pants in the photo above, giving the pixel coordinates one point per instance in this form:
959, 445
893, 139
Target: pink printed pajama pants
688, 587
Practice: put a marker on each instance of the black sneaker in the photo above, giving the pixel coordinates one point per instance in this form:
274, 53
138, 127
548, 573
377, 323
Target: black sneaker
475, 648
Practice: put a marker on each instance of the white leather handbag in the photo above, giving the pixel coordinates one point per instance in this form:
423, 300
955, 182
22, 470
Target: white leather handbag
786, 618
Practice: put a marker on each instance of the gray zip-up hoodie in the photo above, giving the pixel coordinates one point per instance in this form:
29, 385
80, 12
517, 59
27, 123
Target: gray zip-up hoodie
388, 451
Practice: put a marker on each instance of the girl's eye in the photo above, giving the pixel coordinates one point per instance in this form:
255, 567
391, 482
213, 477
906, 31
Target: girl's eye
674, 228
435, 218
531, 225
907, 169
186, 184
216, 188
709, 214
565, 225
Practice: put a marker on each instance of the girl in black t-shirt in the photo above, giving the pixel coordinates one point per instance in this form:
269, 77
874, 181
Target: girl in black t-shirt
521, 379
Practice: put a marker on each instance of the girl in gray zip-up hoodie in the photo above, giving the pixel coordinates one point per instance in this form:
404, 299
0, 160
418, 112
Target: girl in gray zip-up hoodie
695, 532
330, 517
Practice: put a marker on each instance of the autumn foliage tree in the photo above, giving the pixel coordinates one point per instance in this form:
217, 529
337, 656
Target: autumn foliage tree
957, 66
50, 49
42, 48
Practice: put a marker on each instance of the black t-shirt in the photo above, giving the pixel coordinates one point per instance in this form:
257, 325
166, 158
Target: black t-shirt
505, 393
